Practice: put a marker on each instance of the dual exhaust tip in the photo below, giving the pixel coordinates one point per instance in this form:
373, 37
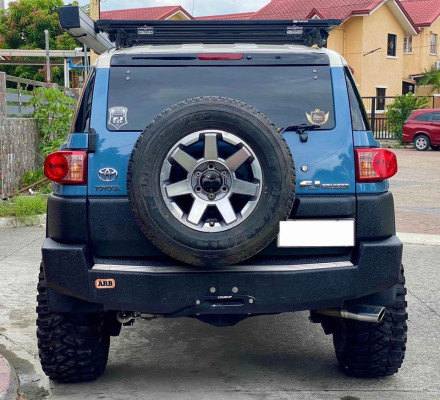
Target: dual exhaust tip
357, 312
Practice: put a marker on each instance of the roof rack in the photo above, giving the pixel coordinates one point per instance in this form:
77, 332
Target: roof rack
103, 35
307, 32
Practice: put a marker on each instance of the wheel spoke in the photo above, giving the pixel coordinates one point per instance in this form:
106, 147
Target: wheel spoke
225, 208
236, 160
246, 188
211, 150
178, 188
197, 210
184, 160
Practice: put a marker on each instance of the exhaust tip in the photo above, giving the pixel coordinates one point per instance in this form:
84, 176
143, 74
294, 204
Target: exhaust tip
381, 315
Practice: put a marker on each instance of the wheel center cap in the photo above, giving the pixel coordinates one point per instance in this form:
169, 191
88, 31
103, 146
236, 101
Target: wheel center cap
211, 181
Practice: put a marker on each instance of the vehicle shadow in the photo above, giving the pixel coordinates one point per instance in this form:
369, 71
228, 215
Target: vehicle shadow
269, 353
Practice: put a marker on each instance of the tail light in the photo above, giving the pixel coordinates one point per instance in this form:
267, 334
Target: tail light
375, 164
219, 56
66, 167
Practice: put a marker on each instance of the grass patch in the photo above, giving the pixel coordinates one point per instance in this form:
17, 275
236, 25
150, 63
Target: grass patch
8, 90
24, 208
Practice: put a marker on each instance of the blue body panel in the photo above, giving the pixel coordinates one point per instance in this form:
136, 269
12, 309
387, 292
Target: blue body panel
328, 155
364, 139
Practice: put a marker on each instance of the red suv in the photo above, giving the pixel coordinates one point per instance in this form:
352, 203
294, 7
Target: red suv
423, 129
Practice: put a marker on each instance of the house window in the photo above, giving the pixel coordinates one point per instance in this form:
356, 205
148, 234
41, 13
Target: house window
407, 44
380, 102
391, 45
433, 44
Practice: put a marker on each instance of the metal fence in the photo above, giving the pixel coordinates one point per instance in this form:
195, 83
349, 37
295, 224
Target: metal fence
376, 110
17, 97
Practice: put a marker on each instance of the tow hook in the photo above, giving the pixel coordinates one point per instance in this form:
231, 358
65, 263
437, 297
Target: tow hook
216, 305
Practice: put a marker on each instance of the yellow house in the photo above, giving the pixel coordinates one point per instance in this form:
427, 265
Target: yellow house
422, 52
370, 37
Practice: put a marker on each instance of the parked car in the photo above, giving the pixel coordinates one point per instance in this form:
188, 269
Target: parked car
423, 129
220, 181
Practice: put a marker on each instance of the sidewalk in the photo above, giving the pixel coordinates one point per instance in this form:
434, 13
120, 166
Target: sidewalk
8, 381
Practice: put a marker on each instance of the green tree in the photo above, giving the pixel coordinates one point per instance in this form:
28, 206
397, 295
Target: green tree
22, 26
398, 112
431, 77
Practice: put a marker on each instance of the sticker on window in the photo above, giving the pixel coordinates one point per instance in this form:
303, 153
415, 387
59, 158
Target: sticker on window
118, 116
318, 117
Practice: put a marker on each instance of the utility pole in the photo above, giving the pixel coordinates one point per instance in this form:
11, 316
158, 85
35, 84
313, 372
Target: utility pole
86, 64
46, 34
95, 10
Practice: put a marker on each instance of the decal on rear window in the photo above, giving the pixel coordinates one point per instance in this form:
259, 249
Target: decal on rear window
117, 116
318, 117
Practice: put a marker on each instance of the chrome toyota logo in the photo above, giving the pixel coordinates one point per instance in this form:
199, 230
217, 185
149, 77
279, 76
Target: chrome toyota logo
107, 174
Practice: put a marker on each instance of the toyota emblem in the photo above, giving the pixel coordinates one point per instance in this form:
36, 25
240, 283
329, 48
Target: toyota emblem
107, 174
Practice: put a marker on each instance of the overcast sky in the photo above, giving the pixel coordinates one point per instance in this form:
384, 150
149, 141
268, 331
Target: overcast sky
201, 7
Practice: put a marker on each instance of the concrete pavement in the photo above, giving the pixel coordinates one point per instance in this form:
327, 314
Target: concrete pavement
271, 357
416, 191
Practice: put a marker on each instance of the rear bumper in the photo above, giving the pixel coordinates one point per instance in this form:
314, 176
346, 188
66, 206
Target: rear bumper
265, 286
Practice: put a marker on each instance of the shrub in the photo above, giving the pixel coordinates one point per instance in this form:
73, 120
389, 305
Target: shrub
53, 112
398, 112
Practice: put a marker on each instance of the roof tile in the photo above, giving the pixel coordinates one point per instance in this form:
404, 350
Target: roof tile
151, 13
422, 12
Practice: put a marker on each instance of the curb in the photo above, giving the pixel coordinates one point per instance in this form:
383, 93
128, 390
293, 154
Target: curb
12, 222
9, 383
419, 238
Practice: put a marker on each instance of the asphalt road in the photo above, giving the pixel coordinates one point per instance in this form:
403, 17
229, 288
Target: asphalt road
273, 357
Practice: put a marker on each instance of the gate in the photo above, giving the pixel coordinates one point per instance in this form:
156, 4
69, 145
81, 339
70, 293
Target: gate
376, 111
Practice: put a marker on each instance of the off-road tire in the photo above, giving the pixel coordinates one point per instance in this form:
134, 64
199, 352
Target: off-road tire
72, 347
371, 350
211, 248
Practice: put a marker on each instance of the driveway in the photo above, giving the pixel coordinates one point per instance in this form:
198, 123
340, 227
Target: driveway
271, 357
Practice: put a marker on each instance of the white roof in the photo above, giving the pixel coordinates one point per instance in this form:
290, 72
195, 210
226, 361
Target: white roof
336, 60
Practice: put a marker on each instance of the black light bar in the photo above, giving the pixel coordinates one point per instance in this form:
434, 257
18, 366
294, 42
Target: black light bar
127, 33
78, 24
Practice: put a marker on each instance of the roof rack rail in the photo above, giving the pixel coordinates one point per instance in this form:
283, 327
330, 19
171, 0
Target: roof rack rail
308, 32
103, 35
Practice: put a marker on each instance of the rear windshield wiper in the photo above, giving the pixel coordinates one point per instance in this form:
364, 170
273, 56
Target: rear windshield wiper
301, 130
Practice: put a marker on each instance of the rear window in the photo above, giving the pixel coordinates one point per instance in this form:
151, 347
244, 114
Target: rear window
288, 95
423, 117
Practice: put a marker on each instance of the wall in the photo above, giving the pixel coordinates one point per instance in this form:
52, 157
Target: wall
421, 59
378, 69
359, 35
18, 146
353, 47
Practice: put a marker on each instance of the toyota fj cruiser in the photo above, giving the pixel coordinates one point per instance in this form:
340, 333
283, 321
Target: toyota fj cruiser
220, 171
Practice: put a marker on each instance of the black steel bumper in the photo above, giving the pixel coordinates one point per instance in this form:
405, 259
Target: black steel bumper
264, 287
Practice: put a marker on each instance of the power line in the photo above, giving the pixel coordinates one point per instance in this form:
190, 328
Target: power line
382, 51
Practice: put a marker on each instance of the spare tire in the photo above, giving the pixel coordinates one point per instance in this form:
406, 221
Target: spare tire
209, 179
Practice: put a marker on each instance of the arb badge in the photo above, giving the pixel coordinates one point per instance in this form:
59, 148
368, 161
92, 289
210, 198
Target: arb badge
318, 117
105, 284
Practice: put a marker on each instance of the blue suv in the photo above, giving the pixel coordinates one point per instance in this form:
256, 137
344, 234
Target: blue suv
220, 177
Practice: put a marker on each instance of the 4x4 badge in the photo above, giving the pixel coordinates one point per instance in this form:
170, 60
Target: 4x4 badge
318, 117
117, 116
107, 174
